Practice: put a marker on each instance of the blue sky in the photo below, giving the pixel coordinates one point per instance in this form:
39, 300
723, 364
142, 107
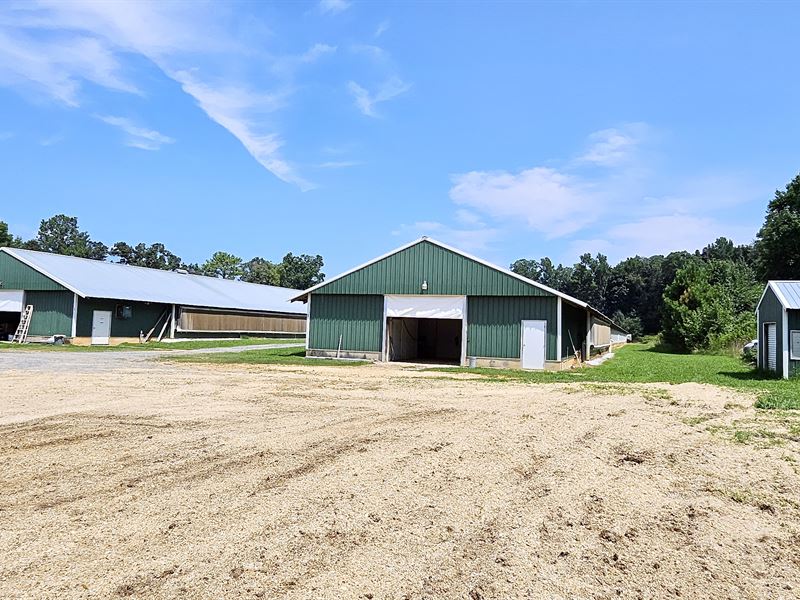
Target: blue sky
349, 128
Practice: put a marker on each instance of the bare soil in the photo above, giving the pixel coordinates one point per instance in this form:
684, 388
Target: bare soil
199, 481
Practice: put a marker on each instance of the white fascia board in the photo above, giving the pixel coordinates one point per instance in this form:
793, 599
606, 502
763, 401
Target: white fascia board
785, 343
536, 284
37, 268
558, 330
74, 327
779, 294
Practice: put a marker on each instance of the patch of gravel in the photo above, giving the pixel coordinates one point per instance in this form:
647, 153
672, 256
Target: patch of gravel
223, 481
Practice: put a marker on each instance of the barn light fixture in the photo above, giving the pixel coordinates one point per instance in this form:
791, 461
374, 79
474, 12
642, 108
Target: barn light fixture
425, 285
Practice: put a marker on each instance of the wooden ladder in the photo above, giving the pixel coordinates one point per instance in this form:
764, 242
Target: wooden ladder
24, 324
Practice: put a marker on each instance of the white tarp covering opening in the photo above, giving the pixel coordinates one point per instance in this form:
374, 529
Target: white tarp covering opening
426, 307
11, 300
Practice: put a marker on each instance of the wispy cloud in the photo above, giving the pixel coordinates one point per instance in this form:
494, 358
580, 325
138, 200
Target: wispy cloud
51, 140
57, 69
382, 28
56, 47
613, 209
612, 147
549, 201
332, 7
6, 135
340, 164
470, 239
136, 136
366, 100
660, 235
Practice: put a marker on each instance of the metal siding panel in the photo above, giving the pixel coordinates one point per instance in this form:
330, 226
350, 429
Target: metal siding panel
494, 324
143, 319
357, 318
446, 273
771, 311
52, 312
16, 275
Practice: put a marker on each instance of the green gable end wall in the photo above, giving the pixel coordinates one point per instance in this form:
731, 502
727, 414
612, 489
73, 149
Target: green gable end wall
356, 318
495, 324
52, 313
770, 311
16, 275
446, 273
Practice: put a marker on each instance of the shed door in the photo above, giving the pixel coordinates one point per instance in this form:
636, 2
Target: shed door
534, 341
101, 327
770, 346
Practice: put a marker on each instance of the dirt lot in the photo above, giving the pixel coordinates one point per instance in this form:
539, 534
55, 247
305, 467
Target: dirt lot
377, 482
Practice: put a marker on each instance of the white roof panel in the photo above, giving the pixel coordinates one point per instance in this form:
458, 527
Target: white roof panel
788, 292
99, 279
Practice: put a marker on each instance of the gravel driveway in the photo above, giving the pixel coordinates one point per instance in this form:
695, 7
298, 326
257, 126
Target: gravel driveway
94, 362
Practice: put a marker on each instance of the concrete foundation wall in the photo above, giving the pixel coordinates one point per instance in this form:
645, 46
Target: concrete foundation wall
374, 356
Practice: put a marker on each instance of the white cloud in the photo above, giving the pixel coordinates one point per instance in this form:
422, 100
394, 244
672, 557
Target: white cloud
51, 140
289, 63
6, 135
366, 100
230, 107
136, 136
86, 41
626, 208
548, 201
468, 239
332, 7
612, 147
339, 164
57, 68
382, 27
660, 235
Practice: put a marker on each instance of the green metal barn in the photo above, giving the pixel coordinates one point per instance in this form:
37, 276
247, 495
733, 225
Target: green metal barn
96, 302
427, 301
778, 315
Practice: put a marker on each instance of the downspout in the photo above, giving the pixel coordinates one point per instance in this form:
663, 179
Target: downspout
172, 325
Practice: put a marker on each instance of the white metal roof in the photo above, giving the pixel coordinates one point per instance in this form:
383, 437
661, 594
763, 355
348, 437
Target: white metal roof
304, 295
788, 293
98, 279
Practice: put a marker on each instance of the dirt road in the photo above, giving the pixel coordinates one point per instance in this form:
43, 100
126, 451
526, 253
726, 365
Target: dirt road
377, 482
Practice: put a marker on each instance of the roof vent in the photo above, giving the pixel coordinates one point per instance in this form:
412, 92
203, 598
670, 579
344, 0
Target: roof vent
182, 271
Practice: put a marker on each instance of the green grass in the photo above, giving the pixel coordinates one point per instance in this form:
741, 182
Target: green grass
187, 345
642, 363
276, 356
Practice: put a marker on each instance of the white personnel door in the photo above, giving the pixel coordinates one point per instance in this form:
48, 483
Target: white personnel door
534, 342
770, 332
101, 327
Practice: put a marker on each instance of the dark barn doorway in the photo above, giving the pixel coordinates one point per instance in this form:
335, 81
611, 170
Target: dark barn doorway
8, 324
424, 340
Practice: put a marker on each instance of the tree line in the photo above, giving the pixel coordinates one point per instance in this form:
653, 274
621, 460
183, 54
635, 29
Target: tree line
61, 234
698, 301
